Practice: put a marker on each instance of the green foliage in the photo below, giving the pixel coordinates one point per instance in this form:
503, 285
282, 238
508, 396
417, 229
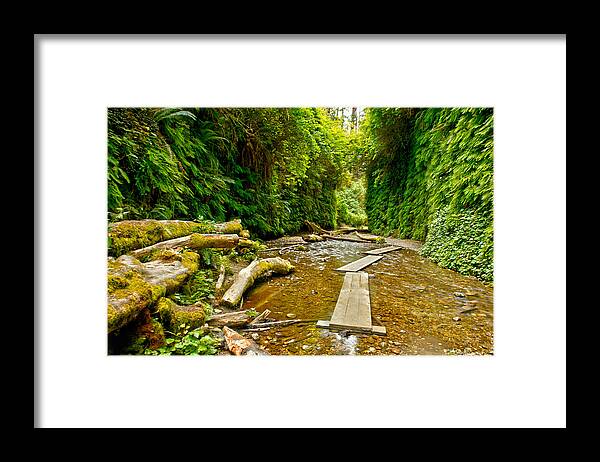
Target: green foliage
427, 169
187, 342
272, 167
462, 242
351, 204
252, 312
200, 287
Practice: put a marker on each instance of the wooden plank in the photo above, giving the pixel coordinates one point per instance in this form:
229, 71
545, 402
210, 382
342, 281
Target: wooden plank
379, 330
360, 263
353, 308
383, 250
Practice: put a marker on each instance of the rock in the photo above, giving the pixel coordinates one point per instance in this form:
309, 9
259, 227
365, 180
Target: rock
456, 318
459, 294
217, 310
254, 336
291, 315
371, 350
305, 347
313, 238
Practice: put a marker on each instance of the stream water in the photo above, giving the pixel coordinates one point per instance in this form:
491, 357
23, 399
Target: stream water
425, 308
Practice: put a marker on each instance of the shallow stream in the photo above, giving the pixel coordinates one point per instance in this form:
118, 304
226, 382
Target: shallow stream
425, 308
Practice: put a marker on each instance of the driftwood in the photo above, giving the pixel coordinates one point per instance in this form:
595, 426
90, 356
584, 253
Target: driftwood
347, 230
315, 228
246, 277
241, 346
280, 248
365, 238
221, 277
261, 317
193, 241
235, 319
344, 238
284, 323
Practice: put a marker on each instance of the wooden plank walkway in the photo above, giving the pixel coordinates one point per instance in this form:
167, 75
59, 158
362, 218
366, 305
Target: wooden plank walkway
353, 308
360, 263
383, 250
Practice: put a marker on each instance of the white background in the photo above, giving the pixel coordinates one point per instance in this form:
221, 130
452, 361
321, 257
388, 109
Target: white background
522, 385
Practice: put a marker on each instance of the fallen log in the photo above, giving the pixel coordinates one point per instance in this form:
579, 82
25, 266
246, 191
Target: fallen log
193, 241
315, 228
366, 238
241, 346
134, 286
235, 319
344, 238
128, 235
268, 325
246, 277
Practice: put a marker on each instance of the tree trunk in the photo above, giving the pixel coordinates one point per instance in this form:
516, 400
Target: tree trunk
246, 277
365, 238
235, 319
193, 241
128, 235
134, 286
240, 345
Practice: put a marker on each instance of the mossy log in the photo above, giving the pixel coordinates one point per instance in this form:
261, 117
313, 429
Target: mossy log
240, 345
193, 241
134, 286
127, 235
173, 315
246, 277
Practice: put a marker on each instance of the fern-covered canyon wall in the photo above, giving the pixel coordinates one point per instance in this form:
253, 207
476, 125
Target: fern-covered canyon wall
430, 177
271, 167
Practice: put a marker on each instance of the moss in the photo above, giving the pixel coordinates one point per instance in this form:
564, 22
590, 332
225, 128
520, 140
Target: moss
128, 235
173, 315
197, 241
128, 292
233, 227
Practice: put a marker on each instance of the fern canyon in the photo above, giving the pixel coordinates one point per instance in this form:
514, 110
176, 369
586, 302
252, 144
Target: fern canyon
243, 231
